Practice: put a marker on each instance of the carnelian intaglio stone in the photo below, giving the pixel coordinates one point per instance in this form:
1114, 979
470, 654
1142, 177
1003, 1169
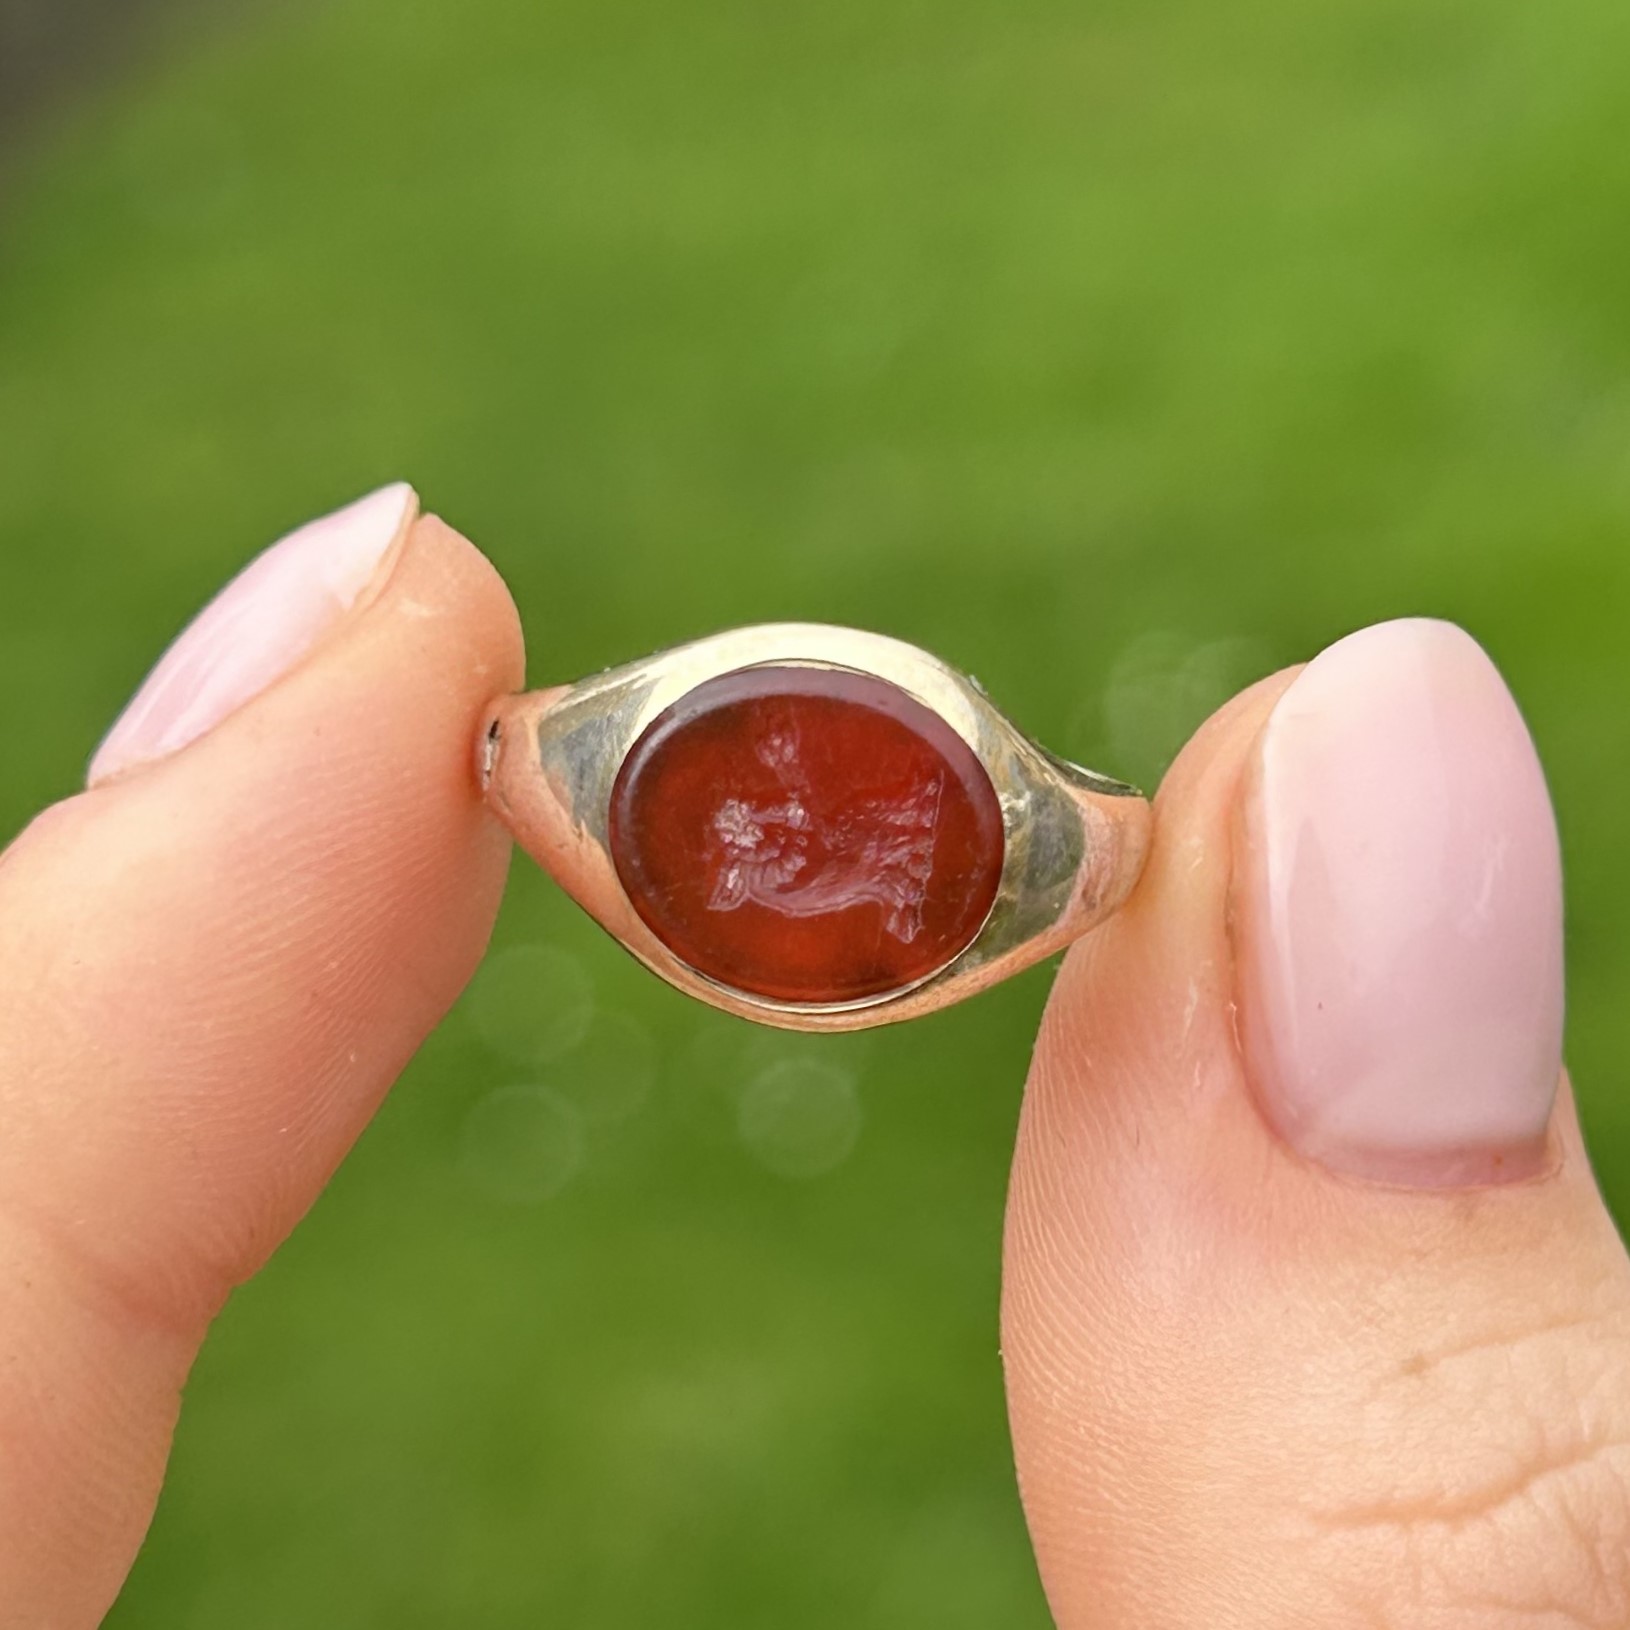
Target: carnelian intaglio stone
806, 834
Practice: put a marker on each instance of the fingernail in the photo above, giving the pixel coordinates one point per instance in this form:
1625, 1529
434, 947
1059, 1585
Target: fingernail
256, 630
1399, 915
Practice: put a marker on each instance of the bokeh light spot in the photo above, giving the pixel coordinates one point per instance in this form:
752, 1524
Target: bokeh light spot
531, 1003
1162, 688
800, 1118
522, 1145
609, 1075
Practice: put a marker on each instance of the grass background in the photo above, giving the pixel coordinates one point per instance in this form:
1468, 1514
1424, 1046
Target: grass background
1117, 352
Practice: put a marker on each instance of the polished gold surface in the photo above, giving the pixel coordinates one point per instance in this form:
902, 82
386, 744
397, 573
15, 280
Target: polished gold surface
1075, 841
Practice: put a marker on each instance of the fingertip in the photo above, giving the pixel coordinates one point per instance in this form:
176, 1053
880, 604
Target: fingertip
445, 556
259, 929
212, 969
1205, 1321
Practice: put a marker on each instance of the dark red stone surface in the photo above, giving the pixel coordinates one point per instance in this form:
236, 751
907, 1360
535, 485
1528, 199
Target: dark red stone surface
807, 835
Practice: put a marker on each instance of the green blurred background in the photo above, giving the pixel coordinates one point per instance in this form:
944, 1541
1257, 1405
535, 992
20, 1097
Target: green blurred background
1118, 352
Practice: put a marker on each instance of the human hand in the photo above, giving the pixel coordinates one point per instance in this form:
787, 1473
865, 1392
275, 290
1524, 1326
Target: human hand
1313, 1315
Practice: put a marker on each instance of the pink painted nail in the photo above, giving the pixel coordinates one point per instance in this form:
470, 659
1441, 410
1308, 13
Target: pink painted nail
256, 630
1399, 913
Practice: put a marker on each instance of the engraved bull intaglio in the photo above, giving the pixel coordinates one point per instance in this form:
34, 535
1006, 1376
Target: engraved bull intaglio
875, 849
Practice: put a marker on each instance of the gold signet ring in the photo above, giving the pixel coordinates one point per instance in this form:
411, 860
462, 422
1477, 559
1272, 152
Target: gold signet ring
814, 827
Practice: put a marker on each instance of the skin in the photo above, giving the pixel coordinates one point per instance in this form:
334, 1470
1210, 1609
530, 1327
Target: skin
1244, 1392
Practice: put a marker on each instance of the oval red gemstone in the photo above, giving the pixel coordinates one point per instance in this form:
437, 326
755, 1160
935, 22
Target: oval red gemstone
807, 835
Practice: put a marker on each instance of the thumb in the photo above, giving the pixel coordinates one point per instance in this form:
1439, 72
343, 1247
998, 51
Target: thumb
1313, 1314
212, 966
